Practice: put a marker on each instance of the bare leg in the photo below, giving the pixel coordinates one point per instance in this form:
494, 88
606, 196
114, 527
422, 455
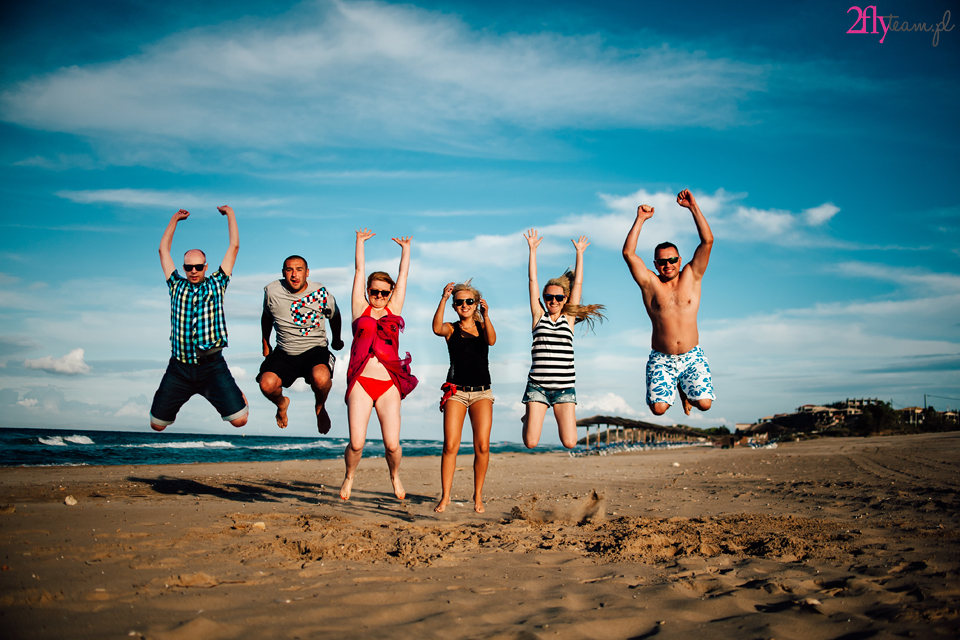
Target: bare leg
566, 415
272, 389
659, 408
242, 420
683, 398
533, 423
388, 411
453, 414
321, 385
703, 404
481, 419
359, 406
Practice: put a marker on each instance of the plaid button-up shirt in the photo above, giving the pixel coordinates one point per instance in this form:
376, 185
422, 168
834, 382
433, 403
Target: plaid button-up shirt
196, 315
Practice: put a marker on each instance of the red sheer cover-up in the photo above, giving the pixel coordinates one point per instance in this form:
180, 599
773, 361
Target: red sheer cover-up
380, 338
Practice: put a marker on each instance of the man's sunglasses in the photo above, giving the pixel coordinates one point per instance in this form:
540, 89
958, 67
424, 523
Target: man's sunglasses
463, 301
379, 293
662, 261
194, 267
547, 297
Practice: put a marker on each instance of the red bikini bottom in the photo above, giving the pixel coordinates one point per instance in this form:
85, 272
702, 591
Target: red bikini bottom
374, 388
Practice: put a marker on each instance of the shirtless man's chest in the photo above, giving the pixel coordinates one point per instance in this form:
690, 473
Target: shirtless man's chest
672, 307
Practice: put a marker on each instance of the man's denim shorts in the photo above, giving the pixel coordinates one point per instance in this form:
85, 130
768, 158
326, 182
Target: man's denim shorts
211, 379
549, 397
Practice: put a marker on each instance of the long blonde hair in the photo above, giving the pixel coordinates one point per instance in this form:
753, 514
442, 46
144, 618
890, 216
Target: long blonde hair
588, 313
466, 286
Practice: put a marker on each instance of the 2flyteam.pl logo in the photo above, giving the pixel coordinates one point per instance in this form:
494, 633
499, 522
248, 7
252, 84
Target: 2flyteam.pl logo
892, 23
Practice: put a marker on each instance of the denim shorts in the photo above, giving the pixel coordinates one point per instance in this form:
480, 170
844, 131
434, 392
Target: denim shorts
549, 397
211, 379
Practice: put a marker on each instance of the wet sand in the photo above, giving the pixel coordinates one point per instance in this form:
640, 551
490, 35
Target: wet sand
842, 538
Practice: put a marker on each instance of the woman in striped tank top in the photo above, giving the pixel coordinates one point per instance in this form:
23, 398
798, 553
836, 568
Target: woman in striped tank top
552, 377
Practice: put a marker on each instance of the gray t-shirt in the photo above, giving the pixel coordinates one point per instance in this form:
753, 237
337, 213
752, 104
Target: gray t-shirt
298, 318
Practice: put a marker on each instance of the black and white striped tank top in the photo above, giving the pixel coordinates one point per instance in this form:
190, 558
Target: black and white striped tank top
552, 354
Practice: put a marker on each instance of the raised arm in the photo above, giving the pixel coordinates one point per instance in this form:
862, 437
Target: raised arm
231, 256
440, 327
702, 255
533, 242
166, 241
357, 300
400, 291
488, 331
638, 269
577, 289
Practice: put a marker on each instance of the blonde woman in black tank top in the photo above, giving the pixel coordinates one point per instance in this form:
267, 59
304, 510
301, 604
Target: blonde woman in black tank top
467, 389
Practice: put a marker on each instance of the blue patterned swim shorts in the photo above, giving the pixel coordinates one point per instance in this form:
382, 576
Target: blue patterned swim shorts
690, 369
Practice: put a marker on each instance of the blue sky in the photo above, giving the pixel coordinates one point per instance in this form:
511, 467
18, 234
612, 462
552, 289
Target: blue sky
826, 163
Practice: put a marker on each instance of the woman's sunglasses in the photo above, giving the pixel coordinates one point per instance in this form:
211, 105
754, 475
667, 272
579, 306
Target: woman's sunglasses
463, 301
550, 298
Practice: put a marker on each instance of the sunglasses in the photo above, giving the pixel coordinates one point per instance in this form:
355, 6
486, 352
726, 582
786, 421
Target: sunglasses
463, 301
550, 298
662, 261
194, 267
379, 293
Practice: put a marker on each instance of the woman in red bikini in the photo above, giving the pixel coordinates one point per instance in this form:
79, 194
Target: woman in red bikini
377, 378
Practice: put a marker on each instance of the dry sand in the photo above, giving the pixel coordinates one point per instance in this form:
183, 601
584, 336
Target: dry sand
845, 538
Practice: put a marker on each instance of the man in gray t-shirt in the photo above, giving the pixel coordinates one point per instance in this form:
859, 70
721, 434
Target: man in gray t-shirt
298, 309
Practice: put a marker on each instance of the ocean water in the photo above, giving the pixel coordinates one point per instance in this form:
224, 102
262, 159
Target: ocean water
59, 447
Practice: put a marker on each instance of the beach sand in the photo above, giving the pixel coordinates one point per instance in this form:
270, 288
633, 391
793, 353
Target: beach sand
840, 538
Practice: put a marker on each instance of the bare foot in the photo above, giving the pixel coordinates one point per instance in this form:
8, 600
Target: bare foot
478, 505
687, 405
442, 505
282, 412
345, 488
398, 488
323, 420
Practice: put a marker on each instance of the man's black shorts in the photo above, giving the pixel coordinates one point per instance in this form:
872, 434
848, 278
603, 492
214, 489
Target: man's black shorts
288, 368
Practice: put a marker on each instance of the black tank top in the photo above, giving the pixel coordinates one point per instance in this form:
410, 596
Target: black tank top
469, 366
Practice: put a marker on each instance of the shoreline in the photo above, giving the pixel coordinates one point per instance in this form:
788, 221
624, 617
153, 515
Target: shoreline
813, 539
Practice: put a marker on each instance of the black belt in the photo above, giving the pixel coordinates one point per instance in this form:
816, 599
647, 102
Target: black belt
209, 357
483, 387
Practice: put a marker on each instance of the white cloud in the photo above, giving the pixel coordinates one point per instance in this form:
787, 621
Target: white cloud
481, 251
239, 373
818, 215
352, 73
72, 363
728, 219
133, 409
27, 402
608, 404
908, 277
154, 198
61, 162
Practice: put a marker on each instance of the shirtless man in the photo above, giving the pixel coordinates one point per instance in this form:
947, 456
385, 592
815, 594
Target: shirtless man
297, 309
672, 299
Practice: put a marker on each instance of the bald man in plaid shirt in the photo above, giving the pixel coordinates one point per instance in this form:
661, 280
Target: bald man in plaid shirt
198, 332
